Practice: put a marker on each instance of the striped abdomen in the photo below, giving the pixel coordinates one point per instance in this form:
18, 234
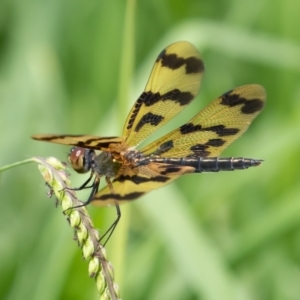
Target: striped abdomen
211, 164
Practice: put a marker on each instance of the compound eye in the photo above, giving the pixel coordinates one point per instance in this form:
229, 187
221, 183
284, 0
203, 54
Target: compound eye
77, 159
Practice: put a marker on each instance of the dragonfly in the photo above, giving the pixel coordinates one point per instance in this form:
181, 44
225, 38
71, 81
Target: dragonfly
194, 147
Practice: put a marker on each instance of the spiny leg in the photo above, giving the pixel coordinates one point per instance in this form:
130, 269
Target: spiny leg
84, 185
95, 188
113, 226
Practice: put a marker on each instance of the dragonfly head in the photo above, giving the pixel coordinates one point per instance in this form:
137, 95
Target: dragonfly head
81, 159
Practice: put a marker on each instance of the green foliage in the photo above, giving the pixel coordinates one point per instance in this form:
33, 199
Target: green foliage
209, 236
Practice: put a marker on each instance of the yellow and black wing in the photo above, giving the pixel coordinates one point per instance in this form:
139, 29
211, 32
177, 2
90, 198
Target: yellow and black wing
132, 183
173, 83
215, 127
206, 135
84, 141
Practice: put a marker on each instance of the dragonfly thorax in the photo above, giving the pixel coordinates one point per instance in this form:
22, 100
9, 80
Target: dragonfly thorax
104, 165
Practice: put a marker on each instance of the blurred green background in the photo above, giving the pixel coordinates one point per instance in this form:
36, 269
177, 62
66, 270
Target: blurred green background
77, 67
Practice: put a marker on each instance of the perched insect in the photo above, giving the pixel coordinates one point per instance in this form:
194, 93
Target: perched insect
192, 148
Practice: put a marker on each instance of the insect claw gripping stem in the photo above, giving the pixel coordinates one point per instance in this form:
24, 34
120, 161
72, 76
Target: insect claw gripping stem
86, 235
95, 188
